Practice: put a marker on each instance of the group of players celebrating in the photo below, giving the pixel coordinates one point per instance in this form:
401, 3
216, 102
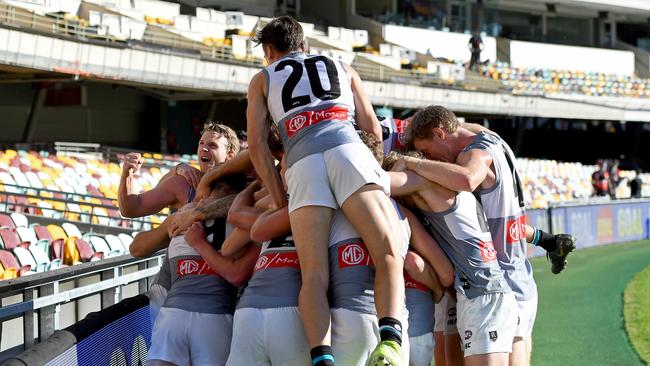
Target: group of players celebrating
341, 252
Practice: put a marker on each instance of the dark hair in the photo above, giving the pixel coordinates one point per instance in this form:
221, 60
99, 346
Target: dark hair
274, 140
283, 33
235, 182
242, 135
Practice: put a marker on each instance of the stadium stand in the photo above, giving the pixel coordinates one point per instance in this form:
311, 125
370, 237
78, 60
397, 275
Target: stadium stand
532, 81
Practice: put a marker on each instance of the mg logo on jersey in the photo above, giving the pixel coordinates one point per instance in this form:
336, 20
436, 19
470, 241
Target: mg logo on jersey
353, 254
296, 123
515, 229
187, 266
261, 262
487, 251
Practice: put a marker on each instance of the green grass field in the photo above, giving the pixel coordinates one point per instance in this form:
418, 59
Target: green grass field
580, 313
636, 308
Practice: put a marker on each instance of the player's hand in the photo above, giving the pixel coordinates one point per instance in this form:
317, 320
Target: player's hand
132, 163
195, 235
190, 173
181, 221
400, 166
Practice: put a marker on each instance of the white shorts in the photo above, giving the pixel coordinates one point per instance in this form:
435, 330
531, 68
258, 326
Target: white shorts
421, 352
487, 323
329, 178
451, 316
439, 318
527, 314
355, 335
268, 337
157, 295
186, 337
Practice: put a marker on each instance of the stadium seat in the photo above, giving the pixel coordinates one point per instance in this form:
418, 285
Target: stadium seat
100, 245
41, 258
11, 240
55, 249
126, 240
9, 262
71, 229
57, 232
25, 258
86, 252
7, 274
115, 244
6, 221
19, 219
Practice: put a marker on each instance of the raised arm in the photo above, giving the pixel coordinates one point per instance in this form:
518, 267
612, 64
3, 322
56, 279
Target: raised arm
171, 191
236, 271
258, 133
148, 242
470, 170
364, 114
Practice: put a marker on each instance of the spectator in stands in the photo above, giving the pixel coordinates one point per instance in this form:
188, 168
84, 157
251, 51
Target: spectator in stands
600, 179
614, 177
475, 45
243, 139
635, 185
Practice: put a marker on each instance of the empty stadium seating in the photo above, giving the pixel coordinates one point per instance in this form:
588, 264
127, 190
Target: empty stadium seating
28, 249
532, 81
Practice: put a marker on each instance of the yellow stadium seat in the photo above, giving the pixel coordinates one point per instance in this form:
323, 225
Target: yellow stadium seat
70, 253
57, 232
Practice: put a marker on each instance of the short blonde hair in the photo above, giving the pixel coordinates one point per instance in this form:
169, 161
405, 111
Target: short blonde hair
225, 131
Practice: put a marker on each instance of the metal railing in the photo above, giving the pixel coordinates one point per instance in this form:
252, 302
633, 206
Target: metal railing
34, 306
90, 217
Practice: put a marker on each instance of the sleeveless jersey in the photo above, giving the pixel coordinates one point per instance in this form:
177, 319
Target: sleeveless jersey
463, 235
419, 302
276, 279
310, 100
352, 273
195, 286
504, 208
163, 277
392, 130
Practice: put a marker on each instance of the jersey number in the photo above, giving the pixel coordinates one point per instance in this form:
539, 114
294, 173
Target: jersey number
290, 102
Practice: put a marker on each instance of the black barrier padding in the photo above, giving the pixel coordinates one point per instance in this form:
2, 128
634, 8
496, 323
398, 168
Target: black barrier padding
43, 352
97, 320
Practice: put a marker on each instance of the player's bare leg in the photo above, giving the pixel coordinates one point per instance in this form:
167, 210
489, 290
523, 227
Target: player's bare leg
519, 355
374, 217
439, 348
490, 359
453, 351
310, 227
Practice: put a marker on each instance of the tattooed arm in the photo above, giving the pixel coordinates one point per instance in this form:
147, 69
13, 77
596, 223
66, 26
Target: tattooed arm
208, 208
